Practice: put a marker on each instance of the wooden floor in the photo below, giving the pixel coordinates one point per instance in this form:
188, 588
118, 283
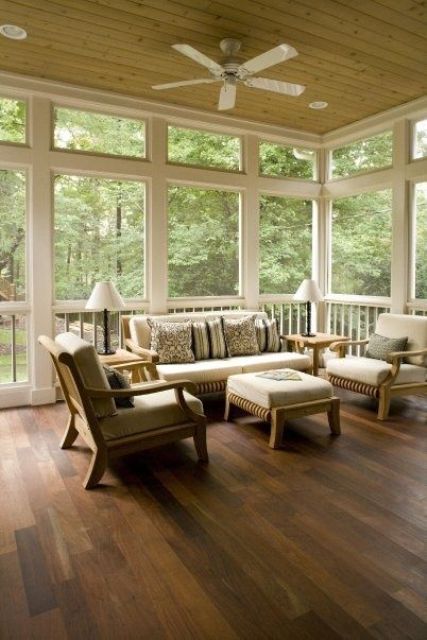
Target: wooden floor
323, 539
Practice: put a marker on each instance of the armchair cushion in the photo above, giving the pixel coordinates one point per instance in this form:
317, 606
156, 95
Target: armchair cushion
151, 412
373, 372
90, 369
380, 347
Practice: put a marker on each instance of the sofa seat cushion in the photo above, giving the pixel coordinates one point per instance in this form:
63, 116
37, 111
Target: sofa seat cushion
373, 372
279, 360
200, 371
151, 412
278, 393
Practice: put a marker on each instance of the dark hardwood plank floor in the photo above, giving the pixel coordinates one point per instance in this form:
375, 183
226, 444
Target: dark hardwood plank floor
324, 539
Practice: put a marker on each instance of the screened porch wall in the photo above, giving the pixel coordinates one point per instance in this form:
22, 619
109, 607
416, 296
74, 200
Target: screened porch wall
41, 313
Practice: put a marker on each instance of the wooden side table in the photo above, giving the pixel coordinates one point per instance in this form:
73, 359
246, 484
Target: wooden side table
121, 357
298, 342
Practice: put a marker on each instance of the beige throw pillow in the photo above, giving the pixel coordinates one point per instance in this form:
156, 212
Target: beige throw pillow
171, 341
240, 336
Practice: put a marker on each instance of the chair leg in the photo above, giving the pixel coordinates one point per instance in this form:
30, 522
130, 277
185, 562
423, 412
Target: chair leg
384, 404
70, 434
96, 469
227, 412
200, 442
334, 417
277, 428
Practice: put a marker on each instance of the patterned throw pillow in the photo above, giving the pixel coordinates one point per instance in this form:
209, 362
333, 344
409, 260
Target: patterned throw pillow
117, 380
217, 344
240, 336
171, 341
200, 340
379, 346
267, 335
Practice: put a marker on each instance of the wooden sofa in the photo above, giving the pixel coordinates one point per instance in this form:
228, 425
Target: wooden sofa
208, 375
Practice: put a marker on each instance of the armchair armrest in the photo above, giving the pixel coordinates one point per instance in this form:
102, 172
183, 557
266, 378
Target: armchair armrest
146, 354
140, 368
341, 345
141, 389
398, 355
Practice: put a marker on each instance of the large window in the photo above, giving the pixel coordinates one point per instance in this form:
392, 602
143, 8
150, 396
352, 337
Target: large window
363, 155
12, 120
203, 148
12, 236
99, 235
420, 229
361, 244
285, 243
99, 133
203, 245
284, 161
420, 142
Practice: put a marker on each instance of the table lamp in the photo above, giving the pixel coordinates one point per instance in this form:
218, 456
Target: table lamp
308, 292
105, 297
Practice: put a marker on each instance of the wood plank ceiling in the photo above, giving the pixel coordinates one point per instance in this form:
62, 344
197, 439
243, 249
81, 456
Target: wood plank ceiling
361, 57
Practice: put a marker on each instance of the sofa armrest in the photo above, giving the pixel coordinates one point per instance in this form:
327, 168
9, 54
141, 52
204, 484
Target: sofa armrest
146, 354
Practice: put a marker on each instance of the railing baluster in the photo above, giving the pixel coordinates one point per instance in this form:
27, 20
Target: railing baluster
13, 347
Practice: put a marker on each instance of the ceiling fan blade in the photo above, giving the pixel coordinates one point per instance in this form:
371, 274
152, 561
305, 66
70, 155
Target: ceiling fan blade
287, 88
184, 83
269, 58
199, 57
227, 97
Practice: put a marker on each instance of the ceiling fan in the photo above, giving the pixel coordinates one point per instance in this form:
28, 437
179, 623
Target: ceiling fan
231, 71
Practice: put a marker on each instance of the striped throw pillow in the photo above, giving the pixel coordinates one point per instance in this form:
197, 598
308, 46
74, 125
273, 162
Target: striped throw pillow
267, 335
200, 336
216, 338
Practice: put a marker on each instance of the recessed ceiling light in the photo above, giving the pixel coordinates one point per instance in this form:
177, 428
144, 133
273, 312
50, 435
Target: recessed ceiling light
13, 32
318, 104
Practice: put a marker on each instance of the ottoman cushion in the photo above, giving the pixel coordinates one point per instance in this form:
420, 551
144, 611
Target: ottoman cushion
279, 393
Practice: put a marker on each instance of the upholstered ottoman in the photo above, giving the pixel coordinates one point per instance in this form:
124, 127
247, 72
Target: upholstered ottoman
286, 394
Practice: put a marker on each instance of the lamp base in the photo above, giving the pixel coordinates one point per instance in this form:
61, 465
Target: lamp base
108, 352
308, 335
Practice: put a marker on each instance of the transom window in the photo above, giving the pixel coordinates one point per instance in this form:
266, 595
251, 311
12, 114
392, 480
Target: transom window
12, 120
77, 130
363, 155
420, 142
203, 148
286, 161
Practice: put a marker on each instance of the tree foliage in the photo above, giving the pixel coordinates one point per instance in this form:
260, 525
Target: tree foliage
12, 120
363, 155
203, 242
203, 149
285, 243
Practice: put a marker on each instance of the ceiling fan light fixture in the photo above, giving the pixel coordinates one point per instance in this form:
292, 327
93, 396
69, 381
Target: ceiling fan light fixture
13, 32
318, 104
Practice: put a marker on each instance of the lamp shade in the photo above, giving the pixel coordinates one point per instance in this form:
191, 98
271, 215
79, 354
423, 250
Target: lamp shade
308, 291
104, 296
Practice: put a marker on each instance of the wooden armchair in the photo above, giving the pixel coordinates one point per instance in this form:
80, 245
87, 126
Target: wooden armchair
162, 412
401, 373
